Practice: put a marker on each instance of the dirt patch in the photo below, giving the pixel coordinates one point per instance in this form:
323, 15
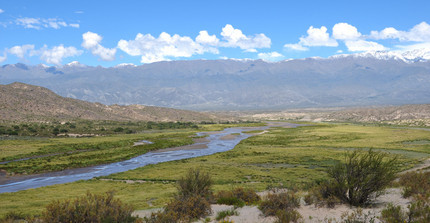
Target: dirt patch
310, 213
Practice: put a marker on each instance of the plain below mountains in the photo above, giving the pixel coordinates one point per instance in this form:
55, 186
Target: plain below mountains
23, 102
373, 78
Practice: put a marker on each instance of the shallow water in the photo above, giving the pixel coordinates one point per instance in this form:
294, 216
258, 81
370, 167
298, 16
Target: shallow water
216, 144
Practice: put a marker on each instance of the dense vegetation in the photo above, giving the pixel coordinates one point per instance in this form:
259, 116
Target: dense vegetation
283, 157
86, 128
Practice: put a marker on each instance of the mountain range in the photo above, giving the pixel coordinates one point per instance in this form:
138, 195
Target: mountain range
371, 78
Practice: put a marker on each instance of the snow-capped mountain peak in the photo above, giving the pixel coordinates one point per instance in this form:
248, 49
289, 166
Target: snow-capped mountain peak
412, 56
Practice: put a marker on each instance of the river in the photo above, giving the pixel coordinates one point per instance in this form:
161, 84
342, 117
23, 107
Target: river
217, 142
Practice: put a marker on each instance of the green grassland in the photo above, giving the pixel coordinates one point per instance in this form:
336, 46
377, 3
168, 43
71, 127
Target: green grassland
286, 157
67, 153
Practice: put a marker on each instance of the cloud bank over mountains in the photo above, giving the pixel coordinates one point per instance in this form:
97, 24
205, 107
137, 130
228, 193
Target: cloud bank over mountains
417, 37
166, 46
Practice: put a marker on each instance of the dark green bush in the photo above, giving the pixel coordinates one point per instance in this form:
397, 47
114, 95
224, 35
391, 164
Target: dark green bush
192, 201
393, 214
188, 208
223, 214
89, 208
358, 216
322, 195
415, 183
182, 209
13, 216
418, 212
274, 203
361, 175
288, 216
248, 195
195, 183
230, 200
237, 197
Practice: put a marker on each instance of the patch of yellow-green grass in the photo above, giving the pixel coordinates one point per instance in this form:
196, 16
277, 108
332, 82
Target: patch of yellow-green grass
140, 195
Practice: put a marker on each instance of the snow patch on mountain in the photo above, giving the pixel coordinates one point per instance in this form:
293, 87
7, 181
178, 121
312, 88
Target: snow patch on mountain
417, 55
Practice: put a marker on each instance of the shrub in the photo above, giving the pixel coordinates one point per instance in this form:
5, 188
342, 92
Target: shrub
322, 195
89, 208
189, 207
418, 212
13, 216
181, 209
415, 183
358, 216
230, 200
248, 195
288, 216
195, 183
237, 197
284, 201
393, 214
419, 209
223, 214
192, 201
361, 175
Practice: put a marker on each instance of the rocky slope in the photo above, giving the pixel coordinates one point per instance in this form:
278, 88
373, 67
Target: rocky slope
23, 102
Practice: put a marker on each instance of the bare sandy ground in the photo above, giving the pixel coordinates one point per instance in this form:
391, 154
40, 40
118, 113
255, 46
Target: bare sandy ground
310, 213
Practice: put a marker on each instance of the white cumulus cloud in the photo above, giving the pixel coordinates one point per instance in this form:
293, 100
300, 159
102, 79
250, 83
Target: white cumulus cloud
418, 33
235, 38
153, 49
39, 23
271, 56
206, 39
53, 56
56, 54
165, 46
91, 42
345, 31
363, 45
21, 51
315, 37
1, 11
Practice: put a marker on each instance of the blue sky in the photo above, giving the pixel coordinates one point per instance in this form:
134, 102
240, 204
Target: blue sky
108, 33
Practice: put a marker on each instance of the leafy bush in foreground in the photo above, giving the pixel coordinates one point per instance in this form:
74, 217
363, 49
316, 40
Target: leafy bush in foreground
361, 175
192, 201
415, 183
237, 197
90, 208
195, 183
282, 206
418, 212
321, 195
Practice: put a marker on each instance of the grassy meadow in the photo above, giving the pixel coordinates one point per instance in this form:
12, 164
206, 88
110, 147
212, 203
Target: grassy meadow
282, 157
